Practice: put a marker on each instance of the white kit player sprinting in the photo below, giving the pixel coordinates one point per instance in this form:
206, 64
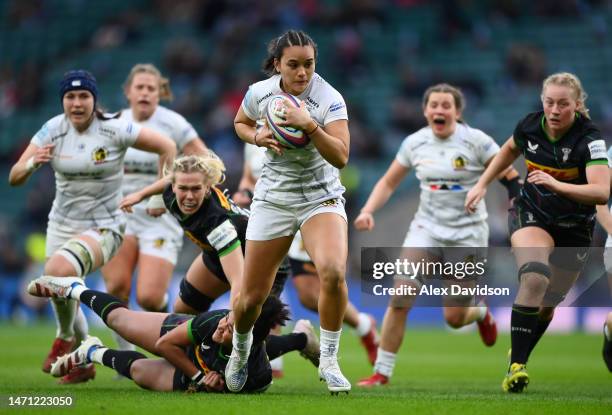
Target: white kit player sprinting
303, 272
448, 157
85, 148
298, 189
151, 243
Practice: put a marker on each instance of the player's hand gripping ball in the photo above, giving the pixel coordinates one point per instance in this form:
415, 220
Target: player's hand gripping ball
287, 136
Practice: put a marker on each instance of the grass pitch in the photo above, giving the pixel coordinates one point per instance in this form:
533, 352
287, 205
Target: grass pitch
437, 372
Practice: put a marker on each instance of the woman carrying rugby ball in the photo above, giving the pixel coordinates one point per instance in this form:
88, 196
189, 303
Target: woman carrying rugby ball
299, 189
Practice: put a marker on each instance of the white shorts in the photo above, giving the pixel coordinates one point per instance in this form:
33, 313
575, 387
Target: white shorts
270, 221
160, 237
297, 251
474, 236
58, 235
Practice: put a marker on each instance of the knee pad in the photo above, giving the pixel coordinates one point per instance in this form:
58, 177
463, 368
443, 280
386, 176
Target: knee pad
193, 298
79, 254
109, 241
534, 266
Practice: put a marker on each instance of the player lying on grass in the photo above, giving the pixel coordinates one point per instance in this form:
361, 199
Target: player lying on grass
195, 350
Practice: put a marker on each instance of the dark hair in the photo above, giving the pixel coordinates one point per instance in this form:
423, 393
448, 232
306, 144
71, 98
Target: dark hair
277, 45
103, 116
273, 313
448, 89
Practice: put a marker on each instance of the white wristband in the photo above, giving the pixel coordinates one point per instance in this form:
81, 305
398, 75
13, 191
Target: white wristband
30, 165
156, 202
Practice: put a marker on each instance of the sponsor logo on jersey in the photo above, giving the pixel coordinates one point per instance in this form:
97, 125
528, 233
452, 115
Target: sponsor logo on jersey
597, 149
559, 174
312, 102
532, 147
566, 152
268, 95
159, 242
109, 132
459, 163
444, 186
99, 155
336, 106
581, 257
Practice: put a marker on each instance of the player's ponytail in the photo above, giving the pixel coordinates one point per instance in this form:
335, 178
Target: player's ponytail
572, 82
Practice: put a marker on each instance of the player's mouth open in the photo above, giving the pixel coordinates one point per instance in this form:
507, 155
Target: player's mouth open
439, 121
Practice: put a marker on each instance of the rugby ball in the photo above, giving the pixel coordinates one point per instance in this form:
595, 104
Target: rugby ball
287, 136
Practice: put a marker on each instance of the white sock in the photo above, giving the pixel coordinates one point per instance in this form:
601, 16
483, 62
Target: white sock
330, 343
96, 355
123, 344
385, 362
364, 324
65, 313
242, 343
81, 328
76, 291
482, 312
277, 364
607, 332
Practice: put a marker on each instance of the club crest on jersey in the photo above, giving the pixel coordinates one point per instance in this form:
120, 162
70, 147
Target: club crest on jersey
532, 147
99, 155
330, 202
459, 163
159, 242
530, 218
566, 152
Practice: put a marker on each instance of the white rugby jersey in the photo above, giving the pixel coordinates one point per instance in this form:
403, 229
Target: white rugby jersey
447, 169
141, 166
88, 171
299, 176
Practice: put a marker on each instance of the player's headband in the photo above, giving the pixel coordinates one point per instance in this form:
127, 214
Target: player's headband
79, 79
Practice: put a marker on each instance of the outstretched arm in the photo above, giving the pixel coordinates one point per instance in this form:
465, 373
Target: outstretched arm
381, 193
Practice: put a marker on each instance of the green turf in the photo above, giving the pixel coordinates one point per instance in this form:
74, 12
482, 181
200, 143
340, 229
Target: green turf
437, 372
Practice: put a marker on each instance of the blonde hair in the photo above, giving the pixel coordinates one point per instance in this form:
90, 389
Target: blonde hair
572, 82
165, 93
209, 164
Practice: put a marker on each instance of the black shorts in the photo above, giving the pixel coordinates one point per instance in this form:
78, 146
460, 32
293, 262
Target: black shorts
214, 265
572, 240
299, 267
180, 382
173, 321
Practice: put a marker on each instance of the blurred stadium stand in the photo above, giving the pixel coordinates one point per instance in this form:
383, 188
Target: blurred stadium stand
380, 54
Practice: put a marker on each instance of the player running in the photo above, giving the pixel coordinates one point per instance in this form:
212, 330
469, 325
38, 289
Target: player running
448, 157
151, 244
551, 223
85, 148
299, 189
303, 272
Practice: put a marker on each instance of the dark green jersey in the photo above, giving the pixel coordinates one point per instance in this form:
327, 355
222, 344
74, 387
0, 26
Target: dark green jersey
209, 355
218, 227
566, 159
